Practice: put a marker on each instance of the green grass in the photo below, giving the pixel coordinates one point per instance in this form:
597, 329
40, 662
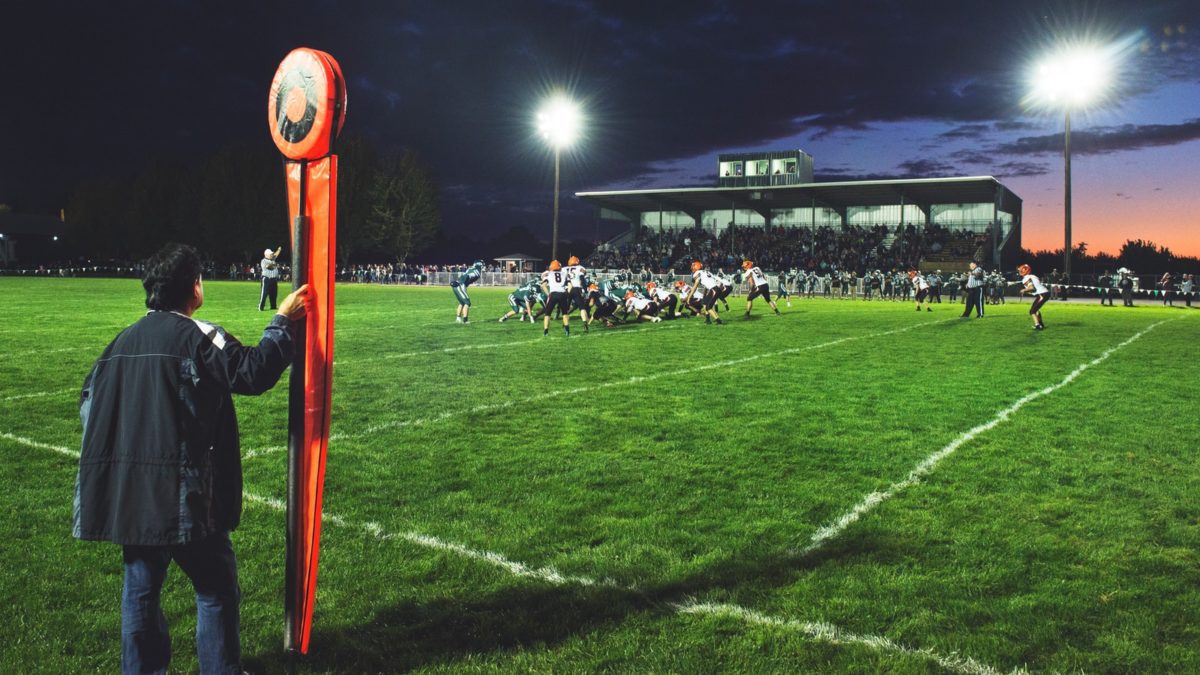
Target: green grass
657, 468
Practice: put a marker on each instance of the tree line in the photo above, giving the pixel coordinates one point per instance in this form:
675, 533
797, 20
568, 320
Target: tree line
233, 205
1139, 255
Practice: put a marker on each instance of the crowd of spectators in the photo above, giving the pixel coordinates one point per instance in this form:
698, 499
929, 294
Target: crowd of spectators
853, 248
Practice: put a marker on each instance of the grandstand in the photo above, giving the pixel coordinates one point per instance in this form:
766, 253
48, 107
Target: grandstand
965, 218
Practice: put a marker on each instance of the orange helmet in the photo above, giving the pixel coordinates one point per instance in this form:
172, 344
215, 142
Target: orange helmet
592, 287
697, 265
679, 284
650, 285
555, 265
912, 273
746, 264
628, 294
572, 260
1024, 268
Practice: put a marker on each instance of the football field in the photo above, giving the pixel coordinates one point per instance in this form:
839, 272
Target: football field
850, 487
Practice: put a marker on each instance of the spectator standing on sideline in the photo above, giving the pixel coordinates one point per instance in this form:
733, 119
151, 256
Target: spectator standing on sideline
1186, 286
160, 468
975, 281
1126, 286
1106, 287
270, 278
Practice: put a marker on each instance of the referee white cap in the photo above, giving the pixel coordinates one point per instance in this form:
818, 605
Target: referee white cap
268, 253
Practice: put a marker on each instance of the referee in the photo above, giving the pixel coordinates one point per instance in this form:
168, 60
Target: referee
270, 278
975, 280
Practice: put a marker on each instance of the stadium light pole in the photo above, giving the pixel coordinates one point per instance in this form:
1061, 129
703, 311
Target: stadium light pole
1071, 78
558, 122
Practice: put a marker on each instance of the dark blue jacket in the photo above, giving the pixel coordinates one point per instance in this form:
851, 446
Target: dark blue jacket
160, 461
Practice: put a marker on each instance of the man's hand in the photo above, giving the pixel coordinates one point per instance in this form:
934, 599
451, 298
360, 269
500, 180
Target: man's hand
296, 303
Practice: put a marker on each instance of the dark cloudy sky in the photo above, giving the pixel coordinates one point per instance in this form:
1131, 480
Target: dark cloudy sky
870, 89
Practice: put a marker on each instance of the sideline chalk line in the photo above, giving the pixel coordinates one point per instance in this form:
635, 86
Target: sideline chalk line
489, 407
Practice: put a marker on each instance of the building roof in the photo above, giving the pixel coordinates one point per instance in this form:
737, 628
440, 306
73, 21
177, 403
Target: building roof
835, 195
515, 256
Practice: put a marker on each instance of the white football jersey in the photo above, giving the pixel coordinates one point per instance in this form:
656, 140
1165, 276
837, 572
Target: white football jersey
919, 283
576, 275
1032, 280
636, 304
659, 293
756, 277
556, 280
705, 279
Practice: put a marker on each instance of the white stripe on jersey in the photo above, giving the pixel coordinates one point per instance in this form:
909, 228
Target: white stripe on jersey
210, 331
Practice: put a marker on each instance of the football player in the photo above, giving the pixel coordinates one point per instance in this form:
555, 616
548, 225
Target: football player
577, 277
921, 286
642, 309
757, 285
601, 306
665, 299
554, 283
1032, 285
702, 279
459, 286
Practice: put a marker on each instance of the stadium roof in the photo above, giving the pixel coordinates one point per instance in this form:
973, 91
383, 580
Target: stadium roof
835, 195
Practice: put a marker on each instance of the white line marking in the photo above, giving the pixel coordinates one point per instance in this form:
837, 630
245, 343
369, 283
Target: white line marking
40, 394
819, 631
823, 535
489, 407
40, 446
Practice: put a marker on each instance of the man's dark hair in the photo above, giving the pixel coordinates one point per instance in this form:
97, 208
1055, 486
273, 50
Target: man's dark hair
170, 276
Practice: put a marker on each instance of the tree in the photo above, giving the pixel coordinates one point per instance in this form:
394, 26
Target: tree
404, 217
357, 166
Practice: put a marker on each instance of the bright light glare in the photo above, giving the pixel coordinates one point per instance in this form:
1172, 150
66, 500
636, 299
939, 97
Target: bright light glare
1074, 77
559, 122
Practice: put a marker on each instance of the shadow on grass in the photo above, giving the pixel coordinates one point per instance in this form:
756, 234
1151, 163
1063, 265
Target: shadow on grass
443, 632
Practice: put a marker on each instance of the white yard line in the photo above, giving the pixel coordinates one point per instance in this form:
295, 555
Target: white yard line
489, 407
41, 394
547, 574
819, 631
927, 465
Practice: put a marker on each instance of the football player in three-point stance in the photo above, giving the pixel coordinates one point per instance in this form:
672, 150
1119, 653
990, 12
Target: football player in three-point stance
641, 308
702, 279
601, 306
554, 283
758, 285
665, 299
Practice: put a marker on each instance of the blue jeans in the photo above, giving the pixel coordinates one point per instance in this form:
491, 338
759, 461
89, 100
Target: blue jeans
145, 639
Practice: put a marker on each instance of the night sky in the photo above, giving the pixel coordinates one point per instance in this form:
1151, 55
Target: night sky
900, 89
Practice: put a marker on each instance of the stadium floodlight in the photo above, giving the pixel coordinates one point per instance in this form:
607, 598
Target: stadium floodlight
1072, 78
559, 122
